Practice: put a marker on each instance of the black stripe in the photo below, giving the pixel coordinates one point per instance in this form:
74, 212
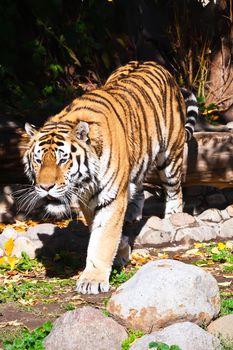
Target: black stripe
104, 205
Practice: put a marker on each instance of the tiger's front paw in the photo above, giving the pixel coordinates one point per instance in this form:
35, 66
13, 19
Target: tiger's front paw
91, 285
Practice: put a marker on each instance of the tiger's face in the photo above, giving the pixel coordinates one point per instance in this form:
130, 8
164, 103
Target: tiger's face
57, 163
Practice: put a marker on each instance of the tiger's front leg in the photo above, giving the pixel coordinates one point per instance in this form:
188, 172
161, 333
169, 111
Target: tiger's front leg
104, 240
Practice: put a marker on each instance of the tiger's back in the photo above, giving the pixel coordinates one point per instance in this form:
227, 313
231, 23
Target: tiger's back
101, 146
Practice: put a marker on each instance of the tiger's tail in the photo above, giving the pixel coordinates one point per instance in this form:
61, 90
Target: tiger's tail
192, 112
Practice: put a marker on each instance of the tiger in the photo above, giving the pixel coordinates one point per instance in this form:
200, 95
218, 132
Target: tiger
100, 147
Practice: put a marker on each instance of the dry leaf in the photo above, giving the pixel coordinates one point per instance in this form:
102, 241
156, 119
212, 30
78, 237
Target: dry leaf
221, 245
215, 250
194, 251
14, 323
224, 284
8, 247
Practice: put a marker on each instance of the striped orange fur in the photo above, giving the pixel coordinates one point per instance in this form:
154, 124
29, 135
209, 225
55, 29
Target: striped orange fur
99, 149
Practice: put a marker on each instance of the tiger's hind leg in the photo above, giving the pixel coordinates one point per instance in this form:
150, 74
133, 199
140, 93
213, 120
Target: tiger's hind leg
170, 173
135, 205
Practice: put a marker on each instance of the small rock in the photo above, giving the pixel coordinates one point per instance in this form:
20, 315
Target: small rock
6, 234
182, 219
164, 292
9, 232
152, 238
222, 326
226, 229
155, 223
229, 209
200, 234
217, 200
24, 244
213, 215
225, 215
230, 125
187, 335
85, 329
156, 231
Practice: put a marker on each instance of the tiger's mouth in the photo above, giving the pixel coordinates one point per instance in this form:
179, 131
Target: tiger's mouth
52, 200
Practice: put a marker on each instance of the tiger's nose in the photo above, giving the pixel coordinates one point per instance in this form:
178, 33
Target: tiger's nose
47, 187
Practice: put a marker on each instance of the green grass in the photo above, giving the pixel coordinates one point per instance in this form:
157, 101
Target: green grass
120, 276
132, 336
32, 289
29, 340
226, 306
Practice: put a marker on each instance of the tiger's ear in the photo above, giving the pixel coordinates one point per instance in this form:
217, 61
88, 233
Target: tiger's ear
30, 129
82, 131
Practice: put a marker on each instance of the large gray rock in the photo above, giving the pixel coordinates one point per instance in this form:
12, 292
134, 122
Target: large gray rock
163, 292
187, 335
85, 329
223, 326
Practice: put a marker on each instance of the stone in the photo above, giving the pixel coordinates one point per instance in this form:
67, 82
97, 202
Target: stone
223, 326
182, 219
187, 335
163, 292
229, 209
42, 229
213, 215
200, 233
9, 232
152, 238
156, 231
6, 234
230, 125
226, 229
24, 244
225, 215
216, 200
85, 329
155, 223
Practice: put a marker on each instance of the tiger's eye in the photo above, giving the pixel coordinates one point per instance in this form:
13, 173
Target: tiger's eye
63, 160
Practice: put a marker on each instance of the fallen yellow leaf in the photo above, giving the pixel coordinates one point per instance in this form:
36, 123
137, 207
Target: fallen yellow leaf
198, 245
221, 246
9, 260
163, 255
194, 251
3, 260
215, 250
224, 284
12, 261
9, 245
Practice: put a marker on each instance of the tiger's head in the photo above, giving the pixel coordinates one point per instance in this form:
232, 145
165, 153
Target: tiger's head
60, 164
